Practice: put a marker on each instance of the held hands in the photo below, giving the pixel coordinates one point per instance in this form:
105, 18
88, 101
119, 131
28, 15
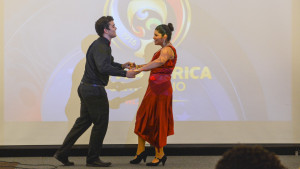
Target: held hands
133, 69
130, 74
137, 71
128, 65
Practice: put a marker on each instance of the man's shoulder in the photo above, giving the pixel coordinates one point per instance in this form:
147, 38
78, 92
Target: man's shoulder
101, 41
100, 45
98, 42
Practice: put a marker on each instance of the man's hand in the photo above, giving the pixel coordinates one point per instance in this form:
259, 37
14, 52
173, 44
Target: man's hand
130, 74
128, 65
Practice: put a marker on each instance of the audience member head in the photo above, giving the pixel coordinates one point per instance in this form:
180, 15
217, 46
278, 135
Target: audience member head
249, 157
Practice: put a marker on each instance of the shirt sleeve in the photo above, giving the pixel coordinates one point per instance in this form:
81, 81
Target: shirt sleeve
103, 61
115, 64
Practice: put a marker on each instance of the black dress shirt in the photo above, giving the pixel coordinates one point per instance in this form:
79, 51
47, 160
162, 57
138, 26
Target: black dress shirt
100, 63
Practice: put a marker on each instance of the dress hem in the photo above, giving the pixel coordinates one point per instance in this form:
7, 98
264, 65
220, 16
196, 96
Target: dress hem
151, 143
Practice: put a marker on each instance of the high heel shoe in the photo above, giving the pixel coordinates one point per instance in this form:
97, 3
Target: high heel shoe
163, 160
139, 158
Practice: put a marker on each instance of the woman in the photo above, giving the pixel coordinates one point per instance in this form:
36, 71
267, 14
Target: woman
154, 119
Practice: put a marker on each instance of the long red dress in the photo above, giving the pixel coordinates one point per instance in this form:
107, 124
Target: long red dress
154, 118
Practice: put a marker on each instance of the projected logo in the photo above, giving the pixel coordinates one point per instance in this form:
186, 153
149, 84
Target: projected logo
137, 19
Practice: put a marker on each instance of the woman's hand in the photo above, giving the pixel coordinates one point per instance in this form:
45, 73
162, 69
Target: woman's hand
137, 71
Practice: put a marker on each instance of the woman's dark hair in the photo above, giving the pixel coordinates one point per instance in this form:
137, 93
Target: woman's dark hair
165, 30
103, 23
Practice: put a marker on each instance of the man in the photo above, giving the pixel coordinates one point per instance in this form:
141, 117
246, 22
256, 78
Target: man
94, 102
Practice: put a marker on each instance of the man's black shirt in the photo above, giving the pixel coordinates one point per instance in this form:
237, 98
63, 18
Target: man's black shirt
100, 63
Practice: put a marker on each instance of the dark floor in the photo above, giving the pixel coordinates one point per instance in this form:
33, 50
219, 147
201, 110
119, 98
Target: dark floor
122, 162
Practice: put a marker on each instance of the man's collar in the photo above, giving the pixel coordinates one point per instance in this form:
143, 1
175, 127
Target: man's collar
106, 41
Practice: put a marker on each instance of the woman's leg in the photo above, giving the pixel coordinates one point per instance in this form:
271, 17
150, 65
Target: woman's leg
141, 146
140, 152
159, 153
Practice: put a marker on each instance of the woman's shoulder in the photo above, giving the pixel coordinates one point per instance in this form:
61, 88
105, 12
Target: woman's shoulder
168, 49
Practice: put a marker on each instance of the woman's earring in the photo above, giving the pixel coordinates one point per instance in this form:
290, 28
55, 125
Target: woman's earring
164, 43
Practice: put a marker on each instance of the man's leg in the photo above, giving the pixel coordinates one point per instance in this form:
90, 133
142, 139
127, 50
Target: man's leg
96, 139
80, 126
98, 106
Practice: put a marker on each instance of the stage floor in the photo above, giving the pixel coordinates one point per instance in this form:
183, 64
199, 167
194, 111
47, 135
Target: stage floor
122, 162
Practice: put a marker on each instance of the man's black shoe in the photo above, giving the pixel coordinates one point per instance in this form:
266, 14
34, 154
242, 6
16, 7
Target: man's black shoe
63, 160
98, 163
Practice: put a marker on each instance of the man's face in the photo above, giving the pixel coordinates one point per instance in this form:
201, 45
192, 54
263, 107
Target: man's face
112, 30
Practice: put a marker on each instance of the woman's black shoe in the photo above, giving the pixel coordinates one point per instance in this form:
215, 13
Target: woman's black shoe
163, 160
139, 158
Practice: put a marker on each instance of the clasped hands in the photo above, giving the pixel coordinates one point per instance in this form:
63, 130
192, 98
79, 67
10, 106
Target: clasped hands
132, 69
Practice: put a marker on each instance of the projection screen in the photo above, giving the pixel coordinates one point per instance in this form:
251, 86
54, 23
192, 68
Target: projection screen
236, 78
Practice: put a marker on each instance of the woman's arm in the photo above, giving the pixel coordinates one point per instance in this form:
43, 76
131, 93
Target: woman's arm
165, 55
139, 66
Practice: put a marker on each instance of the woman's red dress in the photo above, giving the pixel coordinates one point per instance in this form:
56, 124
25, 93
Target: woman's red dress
154, 118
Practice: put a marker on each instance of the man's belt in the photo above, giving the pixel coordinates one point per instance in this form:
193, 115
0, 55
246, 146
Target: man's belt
89, 84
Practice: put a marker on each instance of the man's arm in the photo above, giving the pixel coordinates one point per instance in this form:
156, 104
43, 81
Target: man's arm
127, 65
115, 64
103, 61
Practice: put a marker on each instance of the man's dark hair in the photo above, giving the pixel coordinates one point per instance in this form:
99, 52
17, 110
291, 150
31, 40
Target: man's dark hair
103, 23
249, 157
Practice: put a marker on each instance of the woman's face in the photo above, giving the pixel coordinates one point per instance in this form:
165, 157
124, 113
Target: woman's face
158, 38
